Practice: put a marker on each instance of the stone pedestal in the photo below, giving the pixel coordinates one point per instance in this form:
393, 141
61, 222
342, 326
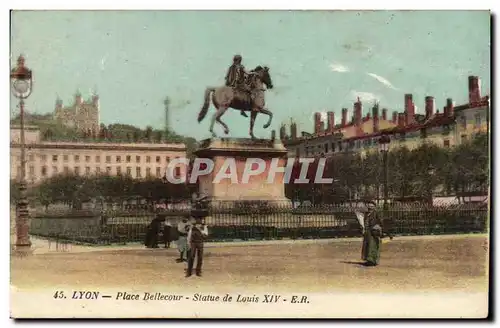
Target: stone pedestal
235, 191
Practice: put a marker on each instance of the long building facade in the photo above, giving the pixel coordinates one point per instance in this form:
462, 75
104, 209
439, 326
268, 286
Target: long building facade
45, 159
450, 127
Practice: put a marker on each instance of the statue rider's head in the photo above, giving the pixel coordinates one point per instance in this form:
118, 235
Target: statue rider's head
237, 59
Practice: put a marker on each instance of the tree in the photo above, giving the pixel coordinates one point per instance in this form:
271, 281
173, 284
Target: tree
148, 133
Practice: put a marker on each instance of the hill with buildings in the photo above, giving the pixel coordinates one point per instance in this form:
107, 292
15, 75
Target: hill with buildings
53, 130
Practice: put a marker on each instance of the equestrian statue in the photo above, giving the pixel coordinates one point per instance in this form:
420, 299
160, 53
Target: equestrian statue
244, 91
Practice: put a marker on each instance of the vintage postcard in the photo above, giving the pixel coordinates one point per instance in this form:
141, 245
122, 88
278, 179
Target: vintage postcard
250, 164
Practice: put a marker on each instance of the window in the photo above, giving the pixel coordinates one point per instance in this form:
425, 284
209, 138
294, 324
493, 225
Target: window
118, 171
108, 170
87, 170
98, 159
44, 171
158, 159
97, 170
477, 120
148, 172
137, 159
167, 159
87, 159
129, 171
108, 159
31, 158
333, 147
177, 171
77, 170
54, 158
127, 158
158, 172
65, 158
148, 159
44, 158
77, 158
54, 169
32, 171
66, 170
138, 172
118, 159
326, 148
447, 143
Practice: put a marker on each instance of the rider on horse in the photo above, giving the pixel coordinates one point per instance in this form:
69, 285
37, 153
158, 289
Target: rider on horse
236, 77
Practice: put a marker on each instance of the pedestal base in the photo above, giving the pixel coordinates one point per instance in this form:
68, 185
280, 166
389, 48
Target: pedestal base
232, 161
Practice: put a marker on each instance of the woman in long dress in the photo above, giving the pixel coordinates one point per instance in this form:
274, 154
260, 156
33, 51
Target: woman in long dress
372, 236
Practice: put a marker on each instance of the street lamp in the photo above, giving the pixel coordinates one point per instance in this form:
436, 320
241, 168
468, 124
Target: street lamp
22, 85
431, 171
384, 142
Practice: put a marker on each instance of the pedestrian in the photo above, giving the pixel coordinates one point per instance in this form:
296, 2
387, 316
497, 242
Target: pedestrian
196, 236
182, 245
167, 233
152, 231
372, 235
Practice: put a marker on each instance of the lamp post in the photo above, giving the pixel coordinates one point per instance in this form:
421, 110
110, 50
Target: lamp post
384, 142
22, 85
431, 171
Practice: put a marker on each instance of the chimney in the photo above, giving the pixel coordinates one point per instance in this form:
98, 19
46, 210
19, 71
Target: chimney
395, 117
273, 135
448, 110
321, 127
283, 132
331, 122
344, 117
293, 130
474, 89
357, 112
375, 118
409, 109
429, 106
384, 114
317, 122
401, 120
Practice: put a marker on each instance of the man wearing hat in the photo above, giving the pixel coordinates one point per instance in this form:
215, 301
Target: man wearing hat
182, 245
372, 235
195, 239
236, 75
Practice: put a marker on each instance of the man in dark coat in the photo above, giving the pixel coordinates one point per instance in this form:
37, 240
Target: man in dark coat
196, 236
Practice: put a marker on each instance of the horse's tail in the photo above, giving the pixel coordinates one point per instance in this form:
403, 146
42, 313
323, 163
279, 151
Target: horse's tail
206, 104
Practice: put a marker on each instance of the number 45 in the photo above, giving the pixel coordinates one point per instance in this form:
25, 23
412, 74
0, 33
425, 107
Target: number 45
59, 294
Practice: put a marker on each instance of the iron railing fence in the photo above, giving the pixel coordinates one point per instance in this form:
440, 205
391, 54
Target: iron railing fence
228, 222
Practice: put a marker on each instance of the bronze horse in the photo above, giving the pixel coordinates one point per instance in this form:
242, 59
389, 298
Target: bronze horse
229, 97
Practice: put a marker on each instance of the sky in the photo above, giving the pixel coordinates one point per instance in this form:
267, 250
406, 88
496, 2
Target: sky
319, 61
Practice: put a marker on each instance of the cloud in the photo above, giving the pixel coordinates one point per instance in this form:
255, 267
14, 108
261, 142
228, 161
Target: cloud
382, 80
365, 96
336, 67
